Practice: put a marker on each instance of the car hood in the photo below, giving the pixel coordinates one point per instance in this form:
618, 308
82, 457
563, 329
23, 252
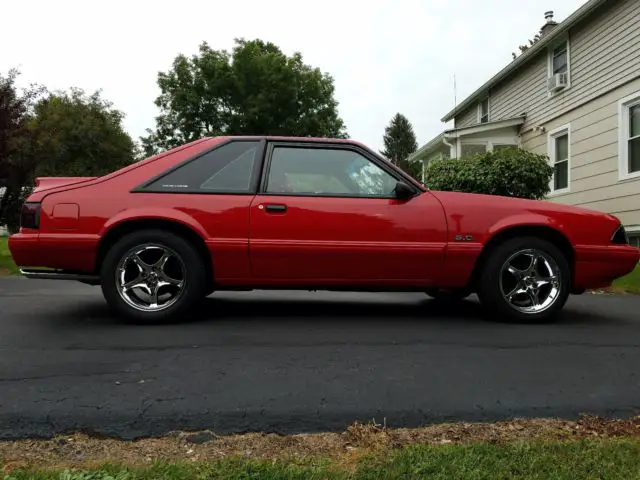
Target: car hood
513, 202
489, 213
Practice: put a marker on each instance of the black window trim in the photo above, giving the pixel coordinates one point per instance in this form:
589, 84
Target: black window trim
253, 187
398, 174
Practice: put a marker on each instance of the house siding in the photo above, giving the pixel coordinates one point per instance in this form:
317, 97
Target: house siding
468, 117
604, 53
594, 147
604, 63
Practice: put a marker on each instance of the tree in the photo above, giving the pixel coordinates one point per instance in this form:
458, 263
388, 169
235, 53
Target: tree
55, 134
511, 172
254, 90
400, 142
79, 135
16, 161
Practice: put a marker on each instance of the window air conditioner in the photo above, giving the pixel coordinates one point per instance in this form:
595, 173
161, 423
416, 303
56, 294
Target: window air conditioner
557, 82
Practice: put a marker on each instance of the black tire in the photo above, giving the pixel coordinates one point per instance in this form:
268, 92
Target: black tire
192, 269
448, 295
490, 286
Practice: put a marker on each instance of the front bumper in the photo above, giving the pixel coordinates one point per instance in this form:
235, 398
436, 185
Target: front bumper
599, 266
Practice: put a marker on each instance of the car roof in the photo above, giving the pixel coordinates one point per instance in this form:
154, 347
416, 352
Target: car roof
346, 141
288, 139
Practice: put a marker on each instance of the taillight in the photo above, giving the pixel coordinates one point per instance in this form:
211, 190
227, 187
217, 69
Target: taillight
30, 216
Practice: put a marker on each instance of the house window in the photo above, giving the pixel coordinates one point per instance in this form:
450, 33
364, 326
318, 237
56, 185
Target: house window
629, 144
503, 146
483, 111
634, 239
467, 149
560, 59
559, 67
559, 155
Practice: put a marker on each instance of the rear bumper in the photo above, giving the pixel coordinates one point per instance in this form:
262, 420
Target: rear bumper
24, 249
69, 252
599, 266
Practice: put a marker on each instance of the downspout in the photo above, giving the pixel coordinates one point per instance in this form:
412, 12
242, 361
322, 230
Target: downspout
444, 140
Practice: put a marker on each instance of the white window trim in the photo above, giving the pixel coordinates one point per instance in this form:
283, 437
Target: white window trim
551, 151
552, 47
623, 136
479, 110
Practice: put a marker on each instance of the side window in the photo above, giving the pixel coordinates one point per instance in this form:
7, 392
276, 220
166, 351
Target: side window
227, 169
326, 171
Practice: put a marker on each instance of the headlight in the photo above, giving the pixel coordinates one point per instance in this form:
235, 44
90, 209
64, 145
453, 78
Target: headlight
620, 236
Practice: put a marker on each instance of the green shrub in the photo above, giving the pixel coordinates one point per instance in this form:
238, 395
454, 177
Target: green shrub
511, 172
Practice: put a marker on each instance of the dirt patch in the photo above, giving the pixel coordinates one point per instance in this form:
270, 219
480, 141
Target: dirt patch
80, 450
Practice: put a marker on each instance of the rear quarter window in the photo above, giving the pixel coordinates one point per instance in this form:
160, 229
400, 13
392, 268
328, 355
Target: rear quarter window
229, 168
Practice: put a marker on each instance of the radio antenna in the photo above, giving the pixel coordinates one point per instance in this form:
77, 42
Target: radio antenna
455, 95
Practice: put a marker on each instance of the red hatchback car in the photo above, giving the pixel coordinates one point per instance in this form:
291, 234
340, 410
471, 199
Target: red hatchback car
241, 213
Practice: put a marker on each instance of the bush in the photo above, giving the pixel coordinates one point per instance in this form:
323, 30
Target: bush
509, 172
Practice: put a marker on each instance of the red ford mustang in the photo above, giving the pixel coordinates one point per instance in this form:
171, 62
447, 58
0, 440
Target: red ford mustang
240, 213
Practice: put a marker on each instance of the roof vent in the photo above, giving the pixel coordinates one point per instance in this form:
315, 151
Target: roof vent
549, 25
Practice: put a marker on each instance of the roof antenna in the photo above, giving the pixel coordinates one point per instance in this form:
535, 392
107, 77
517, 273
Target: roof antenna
455, 97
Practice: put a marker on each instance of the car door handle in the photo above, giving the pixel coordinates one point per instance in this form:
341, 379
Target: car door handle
276, 208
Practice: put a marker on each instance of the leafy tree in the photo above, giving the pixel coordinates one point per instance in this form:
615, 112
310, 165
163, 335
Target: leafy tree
16, 141
400, 142
511, 172
254, 90
79, 135
54, 134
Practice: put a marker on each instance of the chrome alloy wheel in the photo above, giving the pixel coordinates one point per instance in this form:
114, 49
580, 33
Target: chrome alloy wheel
530, 281
150, 277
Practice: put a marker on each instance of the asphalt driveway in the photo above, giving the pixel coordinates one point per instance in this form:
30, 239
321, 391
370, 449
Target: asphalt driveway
293, 361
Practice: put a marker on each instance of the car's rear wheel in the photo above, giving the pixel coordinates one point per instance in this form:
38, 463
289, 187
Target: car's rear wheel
153, 276
525, 280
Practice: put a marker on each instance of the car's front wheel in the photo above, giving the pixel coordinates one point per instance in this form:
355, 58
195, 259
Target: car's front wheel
525, 280
152, 276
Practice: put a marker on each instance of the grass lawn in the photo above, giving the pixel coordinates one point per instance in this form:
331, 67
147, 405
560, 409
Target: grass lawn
590, 448
7, 267
630, 283
586, 459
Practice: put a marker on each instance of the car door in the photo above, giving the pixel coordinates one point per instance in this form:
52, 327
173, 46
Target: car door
211, 193
327, 214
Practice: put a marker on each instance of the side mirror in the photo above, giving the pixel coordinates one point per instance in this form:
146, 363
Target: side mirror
403, 191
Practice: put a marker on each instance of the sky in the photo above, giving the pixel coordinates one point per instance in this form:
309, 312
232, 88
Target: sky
385, 56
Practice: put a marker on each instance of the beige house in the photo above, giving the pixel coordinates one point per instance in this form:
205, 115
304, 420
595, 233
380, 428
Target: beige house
574, 95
